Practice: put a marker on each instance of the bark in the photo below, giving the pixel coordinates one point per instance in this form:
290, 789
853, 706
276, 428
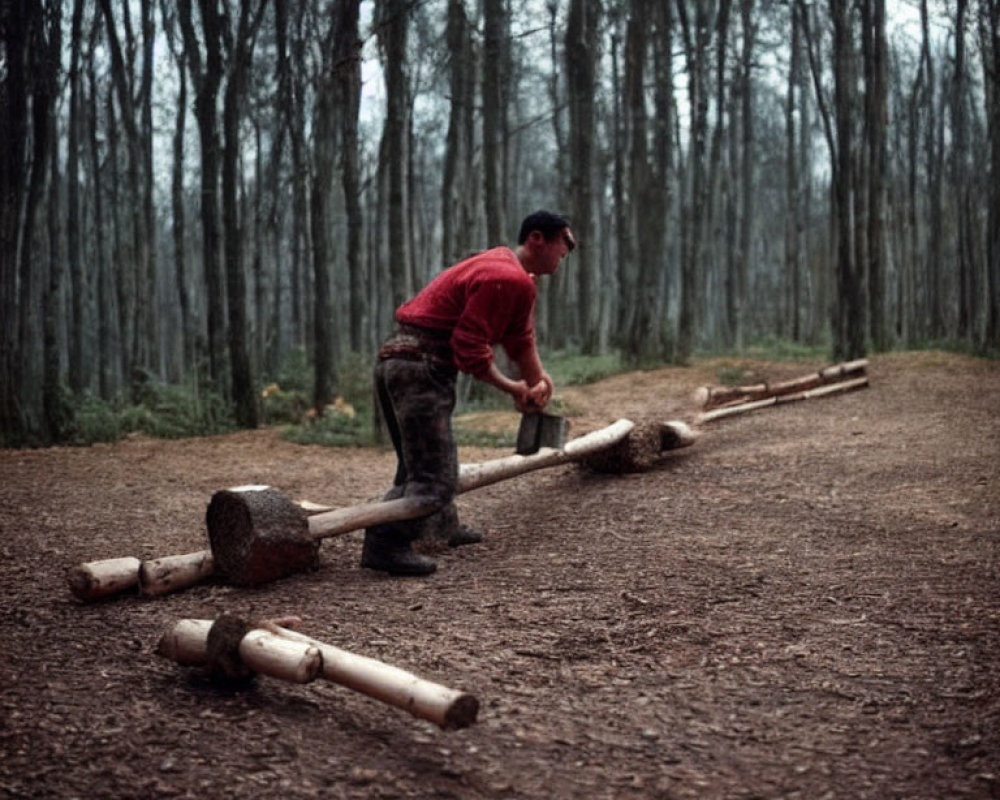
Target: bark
138, 143
457, 192
103, 271
989, 23
244, 395
696, 34
74, 243
494, 20
747, 160
849, 328
347, 67
206, 75
581, 53
393, 39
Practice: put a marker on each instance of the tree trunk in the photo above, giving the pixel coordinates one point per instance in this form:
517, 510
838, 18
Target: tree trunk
394, 158
347, 71
74, 242
493, 120
582, 28
206, 74
15, 131
849, 328
243, 392
990, 46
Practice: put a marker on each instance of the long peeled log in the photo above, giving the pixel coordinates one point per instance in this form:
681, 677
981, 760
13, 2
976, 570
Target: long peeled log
820, 391
709, 397
289, 655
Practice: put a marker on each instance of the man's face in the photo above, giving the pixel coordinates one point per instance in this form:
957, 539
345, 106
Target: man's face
551, 251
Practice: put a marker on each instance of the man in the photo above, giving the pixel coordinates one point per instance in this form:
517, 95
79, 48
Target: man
452, 325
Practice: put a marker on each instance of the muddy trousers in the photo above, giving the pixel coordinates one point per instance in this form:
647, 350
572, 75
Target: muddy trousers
417, 398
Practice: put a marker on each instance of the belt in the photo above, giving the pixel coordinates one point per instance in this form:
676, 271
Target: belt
413, 343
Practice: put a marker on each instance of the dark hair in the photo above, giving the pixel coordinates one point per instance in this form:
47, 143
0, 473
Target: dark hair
548, 224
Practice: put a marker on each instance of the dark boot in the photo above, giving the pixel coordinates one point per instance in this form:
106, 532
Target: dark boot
463, 536
393, 554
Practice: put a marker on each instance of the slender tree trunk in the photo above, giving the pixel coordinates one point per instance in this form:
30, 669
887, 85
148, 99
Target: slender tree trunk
849, 330
696, 40
792, 219
989, 26
347, 73
206, 74
243, 394
74, 242
493, 116
582, 27
104, 310
393, 37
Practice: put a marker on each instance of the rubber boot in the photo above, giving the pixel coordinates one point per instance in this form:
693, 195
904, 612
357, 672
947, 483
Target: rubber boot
387, 551
464, 536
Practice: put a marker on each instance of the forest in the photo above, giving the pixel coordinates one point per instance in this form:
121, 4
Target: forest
211, 193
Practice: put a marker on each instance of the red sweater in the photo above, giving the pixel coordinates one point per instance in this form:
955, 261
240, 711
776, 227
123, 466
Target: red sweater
485, 300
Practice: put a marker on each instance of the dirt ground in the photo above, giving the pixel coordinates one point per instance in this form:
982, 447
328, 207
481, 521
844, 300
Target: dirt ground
804, 604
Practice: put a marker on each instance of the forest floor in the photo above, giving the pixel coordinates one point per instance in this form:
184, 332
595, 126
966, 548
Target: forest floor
804, 604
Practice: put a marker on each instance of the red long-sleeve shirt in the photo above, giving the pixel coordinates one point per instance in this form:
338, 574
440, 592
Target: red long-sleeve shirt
485, 300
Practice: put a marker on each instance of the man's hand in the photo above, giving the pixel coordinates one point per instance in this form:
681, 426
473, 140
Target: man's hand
540, 394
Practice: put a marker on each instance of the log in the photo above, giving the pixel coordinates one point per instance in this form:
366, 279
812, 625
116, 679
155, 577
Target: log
709, 397
821, 391
161, 575
447, 708
103, 578
269, 649
189, 642
474, 476
296, 528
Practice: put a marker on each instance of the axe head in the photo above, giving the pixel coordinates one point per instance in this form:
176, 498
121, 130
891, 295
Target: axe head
538, 430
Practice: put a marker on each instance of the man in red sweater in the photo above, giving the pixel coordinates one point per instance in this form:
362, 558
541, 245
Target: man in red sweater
452, 325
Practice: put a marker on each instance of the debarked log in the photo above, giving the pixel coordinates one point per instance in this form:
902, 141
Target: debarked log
819, 391
98, 579
268, 649
710, 397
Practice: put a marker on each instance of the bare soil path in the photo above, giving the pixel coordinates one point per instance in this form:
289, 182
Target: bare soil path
804, 604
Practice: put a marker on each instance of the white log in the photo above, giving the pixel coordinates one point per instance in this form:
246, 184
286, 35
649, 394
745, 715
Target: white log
292, 656
821, 391
170, 573
186, 642
267, 654
473, 476
717, 396
97, 579
446, 708
263, 652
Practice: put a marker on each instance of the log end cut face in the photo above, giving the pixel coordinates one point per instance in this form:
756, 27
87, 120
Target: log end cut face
259, 535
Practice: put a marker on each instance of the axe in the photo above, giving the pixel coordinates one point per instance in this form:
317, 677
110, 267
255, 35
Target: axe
538, 429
